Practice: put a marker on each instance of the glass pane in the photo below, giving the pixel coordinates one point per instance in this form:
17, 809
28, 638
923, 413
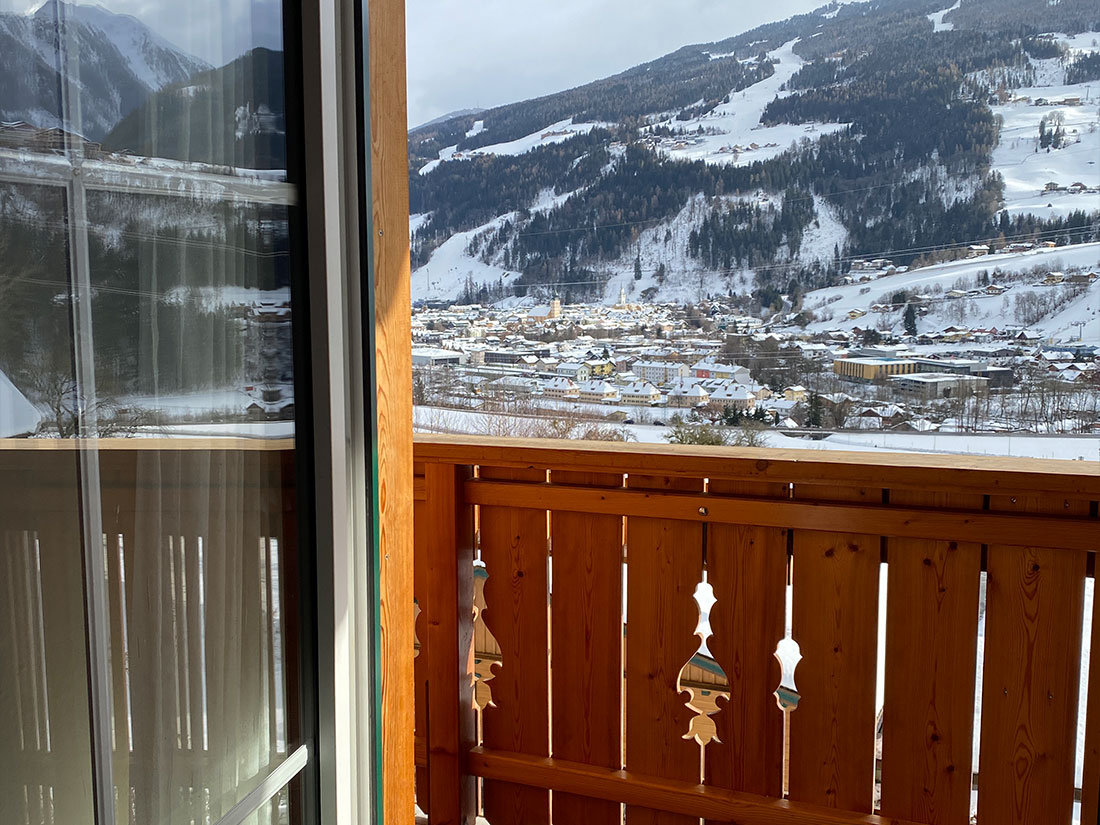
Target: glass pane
45, 762
145, 248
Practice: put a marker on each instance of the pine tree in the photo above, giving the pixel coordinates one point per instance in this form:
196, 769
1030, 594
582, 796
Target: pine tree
815, 413
637, 267
910, 320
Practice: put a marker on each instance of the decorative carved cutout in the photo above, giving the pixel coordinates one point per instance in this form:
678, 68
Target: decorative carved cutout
788, 654
416, 628
486, 649
702, 678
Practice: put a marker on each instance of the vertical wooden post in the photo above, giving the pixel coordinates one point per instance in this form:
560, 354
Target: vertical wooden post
449, 630
835, 622
514, 549
392, 397
1031, 673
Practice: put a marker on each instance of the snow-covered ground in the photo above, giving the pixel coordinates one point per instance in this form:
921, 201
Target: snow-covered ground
1063, 447
446, 273
992, 310
1027, 169
732, 129
687, 279
1060, 447
554, 133
937, 18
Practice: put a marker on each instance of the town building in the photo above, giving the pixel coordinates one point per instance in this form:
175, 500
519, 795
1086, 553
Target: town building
867, 370
640, 394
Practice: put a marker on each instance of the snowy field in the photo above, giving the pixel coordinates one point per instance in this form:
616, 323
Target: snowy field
991, 310
1061, 447
1027, 169
737, 123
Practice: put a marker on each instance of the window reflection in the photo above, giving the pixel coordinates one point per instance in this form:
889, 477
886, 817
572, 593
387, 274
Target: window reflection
145, 279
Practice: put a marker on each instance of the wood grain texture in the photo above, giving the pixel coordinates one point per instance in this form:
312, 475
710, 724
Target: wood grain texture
1034, 604
449, 562
835, 622
586, 650
392, 396
931, 650
1090, 775
423, 540
747, 567
664, 565
980, 474
819, 513
514, 549
682, 799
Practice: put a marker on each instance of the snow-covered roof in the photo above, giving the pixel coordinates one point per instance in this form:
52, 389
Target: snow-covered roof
596, 386
18, 416
561, 383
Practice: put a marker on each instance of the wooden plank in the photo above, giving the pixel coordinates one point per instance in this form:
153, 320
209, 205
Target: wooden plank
423, 538
392, 398
931, 650
682, 799
1090, 774
1034, 604
449, 626
835, 622
747, 567
980, 474
514, 549
664, 565
586, 644
1067, 532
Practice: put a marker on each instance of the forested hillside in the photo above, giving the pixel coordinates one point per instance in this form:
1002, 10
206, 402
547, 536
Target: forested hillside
875, 122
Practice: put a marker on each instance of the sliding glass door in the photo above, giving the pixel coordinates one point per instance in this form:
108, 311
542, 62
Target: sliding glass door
154, 637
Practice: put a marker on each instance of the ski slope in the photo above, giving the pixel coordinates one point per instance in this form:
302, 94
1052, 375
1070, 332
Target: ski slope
558, 132
731, 129
449, 269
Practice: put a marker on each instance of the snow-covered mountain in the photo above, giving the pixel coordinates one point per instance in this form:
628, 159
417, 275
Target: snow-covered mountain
762, 165
120, 61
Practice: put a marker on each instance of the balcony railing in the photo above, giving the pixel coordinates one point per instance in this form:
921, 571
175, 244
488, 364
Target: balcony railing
562, 579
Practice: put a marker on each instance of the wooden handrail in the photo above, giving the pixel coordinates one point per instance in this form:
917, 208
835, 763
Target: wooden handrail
884, 470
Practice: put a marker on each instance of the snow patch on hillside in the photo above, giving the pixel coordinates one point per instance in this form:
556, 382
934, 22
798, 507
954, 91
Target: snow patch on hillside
450, 268
1027, 169
547, 201
732, 132
937, 19
822, 238
832, 304
686, 279
558, 132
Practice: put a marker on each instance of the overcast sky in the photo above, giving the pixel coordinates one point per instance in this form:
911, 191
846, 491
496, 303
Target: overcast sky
478, 53
488, 52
